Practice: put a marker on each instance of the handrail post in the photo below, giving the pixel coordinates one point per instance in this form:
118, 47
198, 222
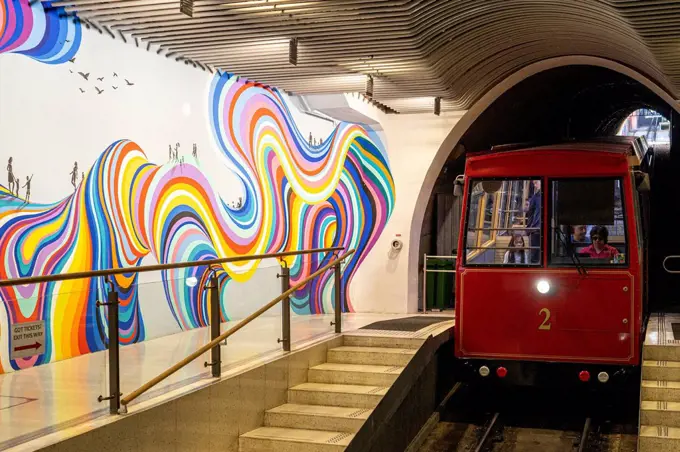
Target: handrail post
114, 349
215, 320
338, 298
285, 307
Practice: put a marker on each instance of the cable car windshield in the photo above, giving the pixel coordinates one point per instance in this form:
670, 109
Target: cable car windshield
503, 226
587, 222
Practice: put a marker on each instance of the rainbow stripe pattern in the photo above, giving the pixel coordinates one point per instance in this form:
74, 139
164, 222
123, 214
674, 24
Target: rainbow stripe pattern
40, 31
297, 196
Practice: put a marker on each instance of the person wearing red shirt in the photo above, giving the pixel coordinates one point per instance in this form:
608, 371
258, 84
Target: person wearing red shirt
599, 248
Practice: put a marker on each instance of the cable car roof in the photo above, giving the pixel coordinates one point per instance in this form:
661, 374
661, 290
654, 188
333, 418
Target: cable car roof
635, 148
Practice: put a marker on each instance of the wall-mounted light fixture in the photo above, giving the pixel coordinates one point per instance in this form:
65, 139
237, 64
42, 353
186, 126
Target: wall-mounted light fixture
437, 105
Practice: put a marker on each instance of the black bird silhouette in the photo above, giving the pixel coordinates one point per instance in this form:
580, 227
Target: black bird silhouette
99, 91
71, 71
114, 87
67, 40
129, 84
115, 75
73, 60
81, 90
85, 76
101, 79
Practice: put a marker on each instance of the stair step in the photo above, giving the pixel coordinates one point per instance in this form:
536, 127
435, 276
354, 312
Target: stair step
661, 352
384, 356
317, 417
661, 370
359, 396
657, 412
355, 374
293, 440
668, 391
382, 341
654, 438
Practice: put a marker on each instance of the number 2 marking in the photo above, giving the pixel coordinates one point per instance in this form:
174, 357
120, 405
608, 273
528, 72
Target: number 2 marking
545, 325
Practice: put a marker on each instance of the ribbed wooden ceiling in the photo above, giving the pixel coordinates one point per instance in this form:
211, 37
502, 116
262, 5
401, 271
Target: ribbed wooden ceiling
416, 50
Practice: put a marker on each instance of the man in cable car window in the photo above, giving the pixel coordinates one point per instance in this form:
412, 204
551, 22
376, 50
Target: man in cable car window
580, 233
600, 249
534, 221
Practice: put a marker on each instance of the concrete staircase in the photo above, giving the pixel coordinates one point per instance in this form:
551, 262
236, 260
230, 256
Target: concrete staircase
325, 413
660, 395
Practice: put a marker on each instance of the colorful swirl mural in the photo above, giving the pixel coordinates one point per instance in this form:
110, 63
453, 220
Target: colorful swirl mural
339, 193
38, 30
298, 196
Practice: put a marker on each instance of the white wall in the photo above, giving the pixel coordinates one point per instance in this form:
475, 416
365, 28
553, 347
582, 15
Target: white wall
381, 284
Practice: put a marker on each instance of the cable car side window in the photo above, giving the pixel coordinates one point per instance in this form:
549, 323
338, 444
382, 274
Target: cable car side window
587, 223
503, 222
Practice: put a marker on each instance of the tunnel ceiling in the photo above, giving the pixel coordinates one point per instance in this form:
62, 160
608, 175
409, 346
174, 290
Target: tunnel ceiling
416, 50
573, 102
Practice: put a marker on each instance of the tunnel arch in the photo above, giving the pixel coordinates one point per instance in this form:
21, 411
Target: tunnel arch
665, 102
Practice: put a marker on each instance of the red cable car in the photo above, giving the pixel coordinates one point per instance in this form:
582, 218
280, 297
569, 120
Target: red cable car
551, 267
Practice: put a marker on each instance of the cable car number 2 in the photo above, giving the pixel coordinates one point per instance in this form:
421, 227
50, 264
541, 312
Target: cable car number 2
545, 312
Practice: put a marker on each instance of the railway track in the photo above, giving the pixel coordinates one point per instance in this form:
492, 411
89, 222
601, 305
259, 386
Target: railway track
484, 423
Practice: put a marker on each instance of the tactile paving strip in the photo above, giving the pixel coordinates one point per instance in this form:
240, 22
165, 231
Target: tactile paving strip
376, 390
337, 438
358, 413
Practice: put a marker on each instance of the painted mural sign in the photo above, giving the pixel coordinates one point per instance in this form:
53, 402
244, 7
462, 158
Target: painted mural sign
121, 205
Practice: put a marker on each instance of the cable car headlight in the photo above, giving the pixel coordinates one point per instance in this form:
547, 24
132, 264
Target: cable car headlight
543, 286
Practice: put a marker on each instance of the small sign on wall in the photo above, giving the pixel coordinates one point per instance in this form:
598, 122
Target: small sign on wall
28, 339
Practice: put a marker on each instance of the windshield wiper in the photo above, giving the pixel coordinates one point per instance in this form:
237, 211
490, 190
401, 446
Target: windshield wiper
570, 249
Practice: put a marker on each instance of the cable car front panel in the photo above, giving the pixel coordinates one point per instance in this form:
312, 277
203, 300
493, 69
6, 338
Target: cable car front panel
549, 262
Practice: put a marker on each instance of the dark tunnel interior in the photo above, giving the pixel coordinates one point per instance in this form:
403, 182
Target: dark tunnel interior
567, 103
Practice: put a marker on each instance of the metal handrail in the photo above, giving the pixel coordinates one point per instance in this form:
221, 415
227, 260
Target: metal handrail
157, 267
666, 268
215, 342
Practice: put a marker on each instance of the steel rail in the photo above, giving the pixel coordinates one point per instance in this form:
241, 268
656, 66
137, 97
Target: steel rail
150, 268
215, 342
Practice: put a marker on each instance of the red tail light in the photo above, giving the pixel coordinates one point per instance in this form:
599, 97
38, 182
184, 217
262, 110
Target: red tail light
501, 372
584, 376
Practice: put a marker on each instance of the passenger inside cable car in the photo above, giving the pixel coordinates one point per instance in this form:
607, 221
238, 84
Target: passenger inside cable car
599, 248
580, 233
505, 222
517, 253
593, 202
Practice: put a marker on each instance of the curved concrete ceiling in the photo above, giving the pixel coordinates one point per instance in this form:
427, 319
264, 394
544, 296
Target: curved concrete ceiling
415, 50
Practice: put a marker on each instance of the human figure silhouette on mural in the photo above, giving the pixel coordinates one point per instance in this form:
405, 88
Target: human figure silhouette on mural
195, 152
320, 141
10, 175
16, 186
83, 177
74, 175
27, 186
177, 152
169, 153
310, 138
